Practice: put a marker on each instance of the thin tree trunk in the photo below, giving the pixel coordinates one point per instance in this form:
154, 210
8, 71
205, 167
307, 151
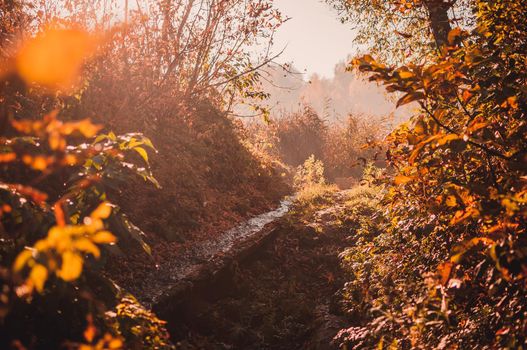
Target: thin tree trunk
439, 21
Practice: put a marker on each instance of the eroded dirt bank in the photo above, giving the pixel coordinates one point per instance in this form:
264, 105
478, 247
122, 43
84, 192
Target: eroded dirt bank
283, 295
208, 256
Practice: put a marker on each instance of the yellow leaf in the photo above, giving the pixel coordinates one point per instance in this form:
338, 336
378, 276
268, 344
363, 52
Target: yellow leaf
71, 266
54, 57
457, 258
451, 201
484, 240
466, 246
102, 211
367, 58
380, 344
85, 245
104, 237
42, 245
56, 234
93, 225
142, 153
502, 227
38, 276
510, 206
22, 259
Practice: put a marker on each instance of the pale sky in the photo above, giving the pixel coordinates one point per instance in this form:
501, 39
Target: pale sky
316, 39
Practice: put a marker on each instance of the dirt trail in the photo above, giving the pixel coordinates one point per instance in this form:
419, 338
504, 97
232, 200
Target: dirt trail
283, 295
191, 259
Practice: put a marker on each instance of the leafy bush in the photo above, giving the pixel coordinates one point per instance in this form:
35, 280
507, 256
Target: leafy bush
311, 173
453, 230
312, 189
139, 326
300, 135
59, 223
345, 148
349, 146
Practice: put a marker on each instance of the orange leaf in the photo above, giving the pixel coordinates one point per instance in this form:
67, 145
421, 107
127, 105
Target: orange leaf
22, 259
462, 215
410, 97
405, 74
69, 159
34, 194
115, 343
104, 237
451, 201
27, 126
102, 211
512, 102
56, 142
453, 35
402, 179
59, 214
476, 125
420, 146
7, 157
90, 331
39, 163
85, 127
54, 57
466, 95
447, 138
444, 269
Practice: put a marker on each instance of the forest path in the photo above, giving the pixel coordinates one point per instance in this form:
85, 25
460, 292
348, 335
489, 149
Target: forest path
206, 257
281, 294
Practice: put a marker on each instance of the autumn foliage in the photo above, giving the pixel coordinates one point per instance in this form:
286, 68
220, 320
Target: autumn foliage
65, 176
436, 255
458, 195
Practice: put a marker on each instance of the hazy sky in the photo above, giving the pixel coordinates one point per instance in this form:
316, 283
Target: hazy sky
316, 39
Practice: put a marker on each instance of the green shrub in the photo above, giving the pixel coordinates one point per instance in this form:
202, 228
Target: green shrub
311, 173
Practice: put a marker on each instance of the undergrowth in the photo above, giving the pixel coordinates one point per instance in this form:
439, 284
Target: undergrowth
392, 297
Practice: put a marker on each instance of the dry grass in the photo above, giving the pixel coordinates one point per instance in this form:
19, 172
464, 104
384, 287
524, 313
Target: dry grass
316, 193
